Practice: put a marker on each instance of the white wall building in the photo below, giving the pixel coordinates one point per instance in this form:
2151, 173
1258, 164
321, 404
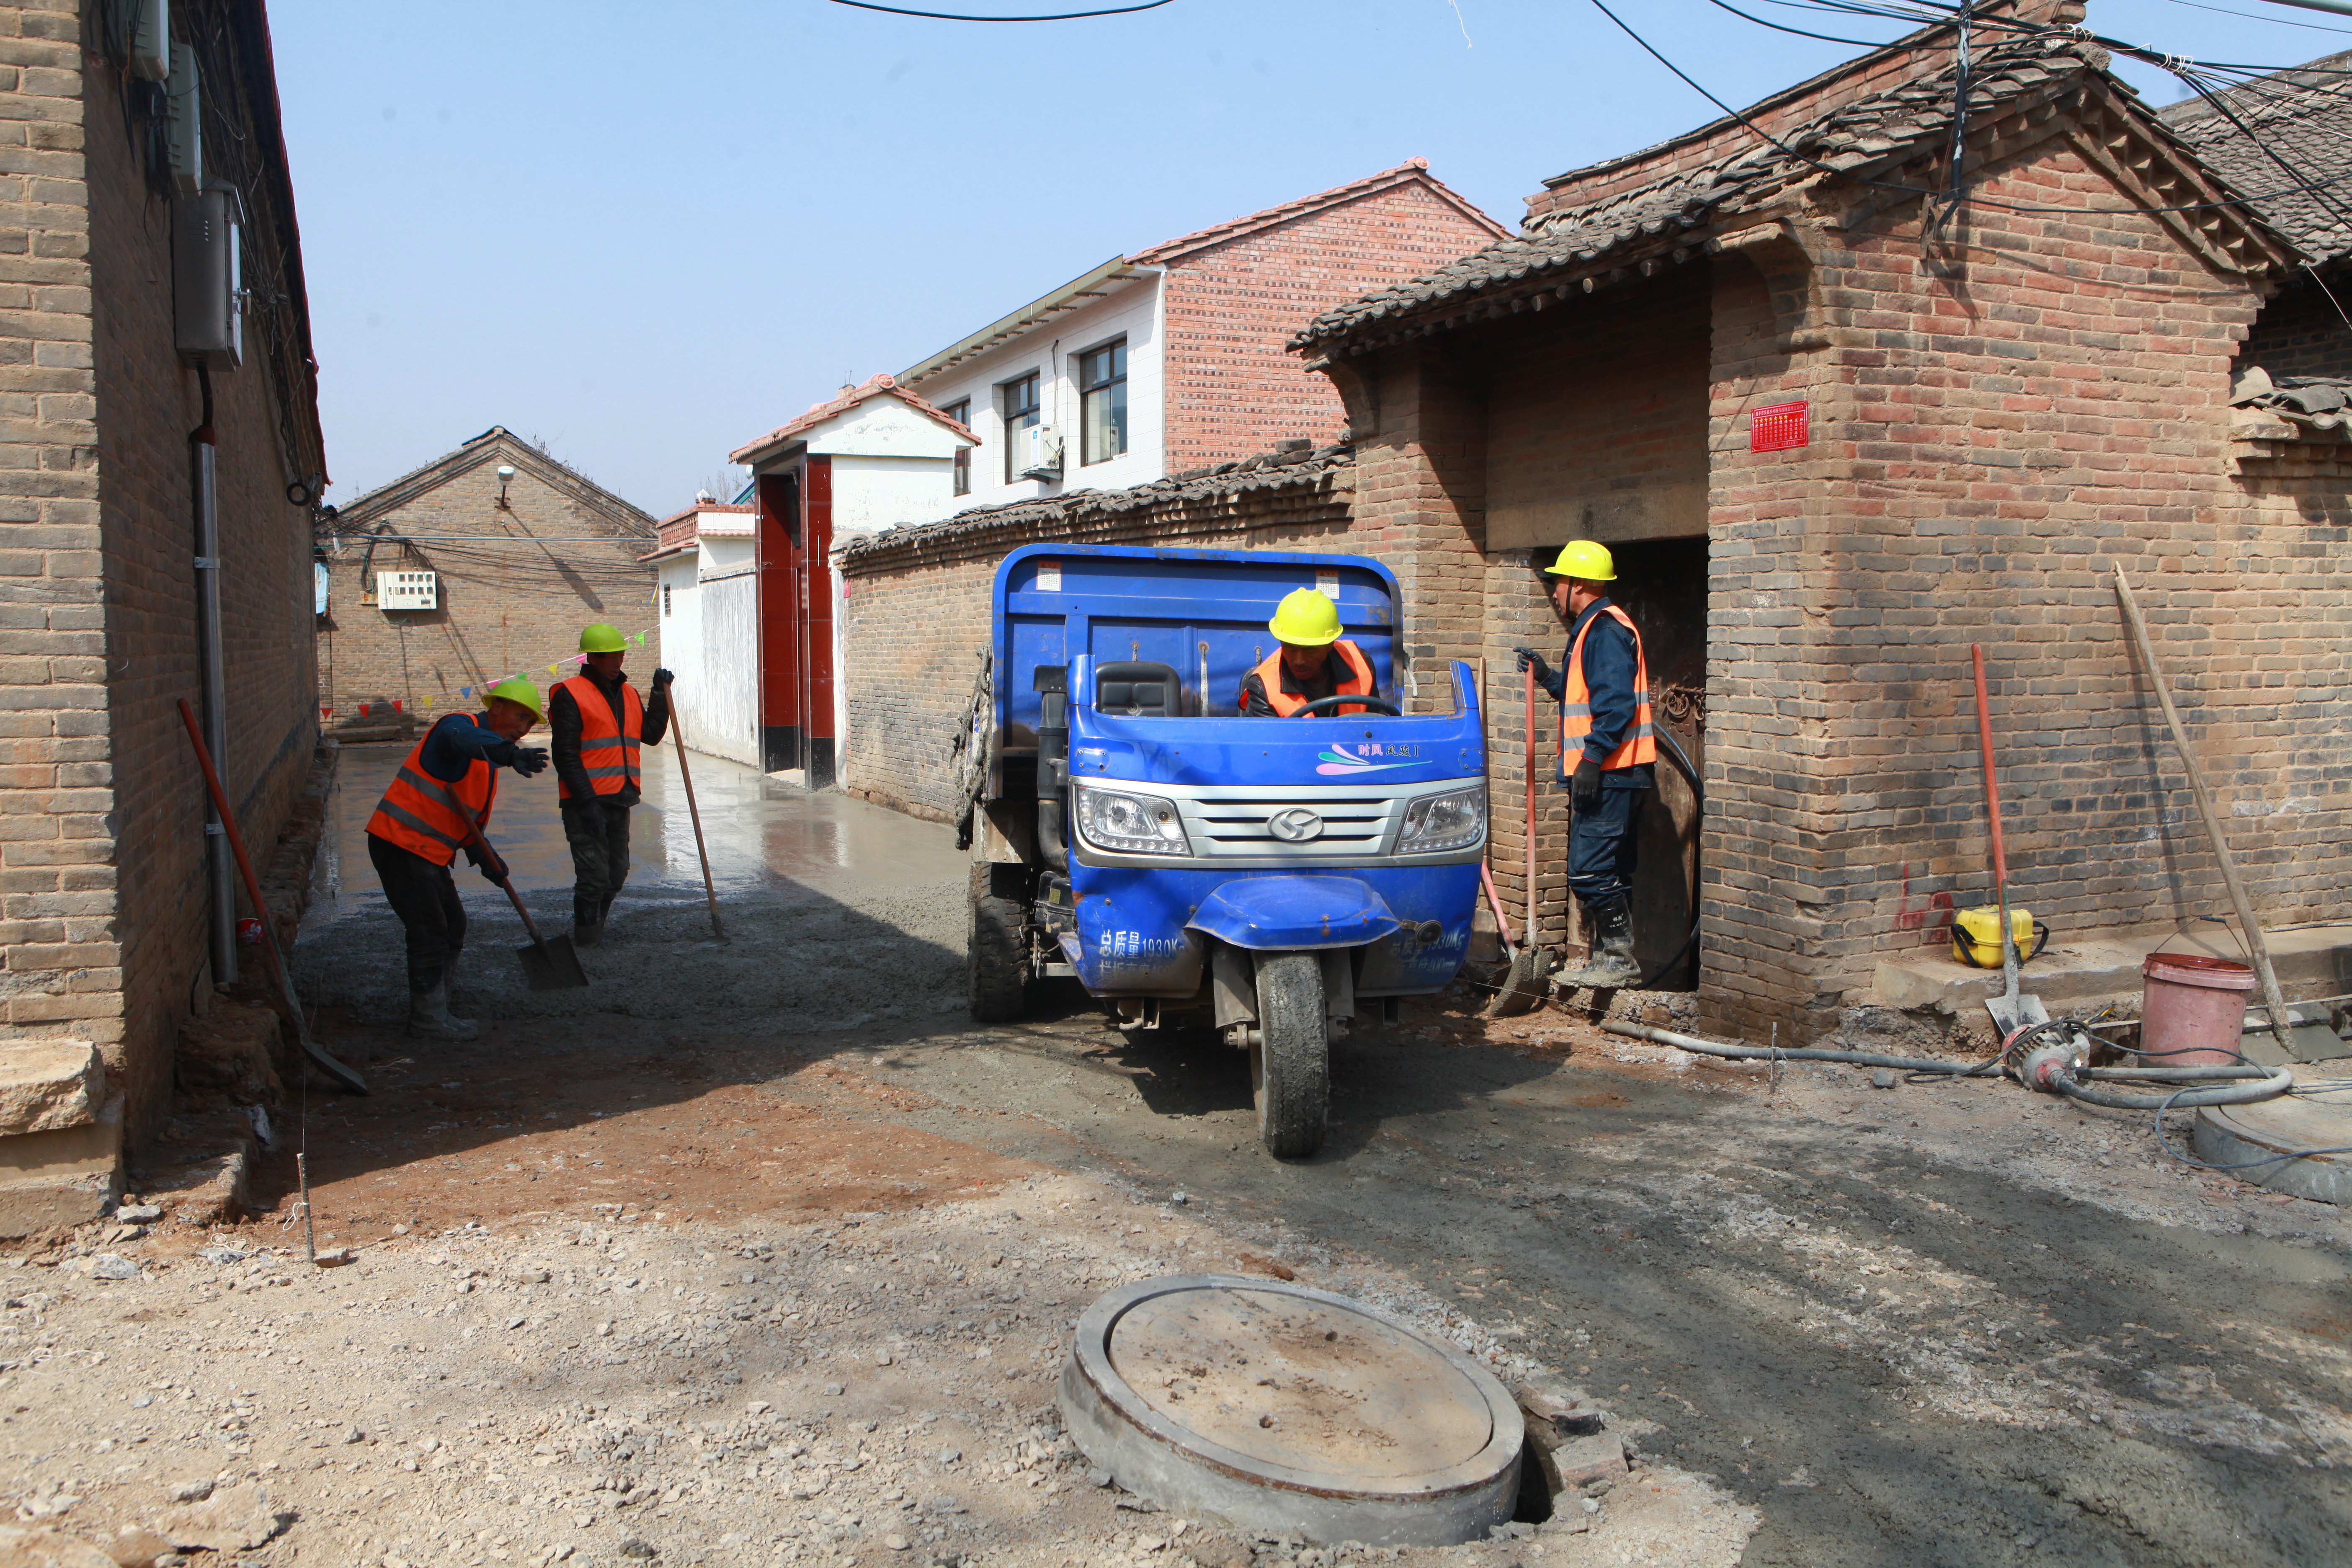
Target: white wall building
704, 609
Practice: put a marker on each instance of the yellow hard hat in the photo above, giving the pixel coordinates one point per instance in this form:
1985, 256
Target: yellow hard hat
602, 637
1582, 558
522, 693
1306, 618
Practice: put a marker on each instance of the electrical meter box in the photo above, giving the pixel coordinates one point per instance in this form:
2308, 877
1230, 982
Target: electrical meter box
148, 25
183, 140
407, 590
207, 294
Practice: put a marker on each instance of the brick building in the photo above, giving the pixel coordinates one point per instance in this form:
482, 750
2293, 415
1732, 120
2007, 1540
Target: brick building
1980, 412
105, 895
1836, 432
1172, 359
518, 552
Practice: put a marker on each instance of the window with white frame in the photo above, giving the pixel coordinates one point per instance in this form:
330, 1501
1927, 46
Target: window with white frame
960, 411
1102, 403
1017, 403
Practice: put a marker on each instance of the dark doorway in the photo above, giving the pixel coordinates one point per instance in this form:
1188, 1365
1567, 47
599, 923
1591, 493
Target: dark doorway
1662, 583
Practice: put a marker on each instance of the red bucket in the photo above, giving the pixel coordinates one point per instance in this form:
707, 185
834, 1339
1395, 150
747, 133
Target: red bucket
2192, 1009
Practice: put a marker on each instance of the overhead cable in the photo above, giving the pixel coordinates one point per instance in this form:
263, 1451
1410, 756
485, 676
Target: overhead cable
960, 16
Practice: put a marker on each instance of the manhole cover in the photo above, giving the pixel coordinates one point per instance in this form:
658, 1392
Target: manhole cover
1278, 1408
2265, 1141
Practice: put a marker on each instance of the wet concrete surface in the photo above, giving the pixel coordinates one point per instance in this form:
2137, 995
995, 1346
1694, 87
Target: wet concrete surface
1941, 1324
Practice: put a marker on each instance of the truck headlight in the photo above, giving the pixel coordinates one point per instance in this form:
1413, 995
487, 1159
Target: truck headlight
1131, 823
1451, 821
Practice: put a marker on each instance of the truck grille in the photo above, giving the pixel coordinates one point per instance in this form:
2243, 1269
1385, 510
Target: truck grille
1355, 823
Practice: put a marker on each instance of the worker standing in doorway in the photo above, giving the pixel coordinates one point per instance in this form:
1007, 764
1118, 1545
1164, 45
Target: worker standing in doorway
1608, 754
599, 727
436, 806
1313, 662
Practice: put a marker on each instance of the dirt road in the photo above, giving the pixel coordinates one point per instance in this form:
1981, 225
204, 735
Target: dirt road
1949, 1324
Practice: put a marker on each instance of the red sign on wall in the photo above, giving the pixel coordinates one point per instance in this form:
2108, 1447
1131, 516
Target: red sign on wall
1777, 428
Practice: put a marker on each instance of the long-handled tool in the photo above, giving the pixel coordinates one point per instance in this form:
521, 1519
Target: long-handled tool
2248, 926
678, 732
547, 965
2011, 1012
344, 1077
1523, 986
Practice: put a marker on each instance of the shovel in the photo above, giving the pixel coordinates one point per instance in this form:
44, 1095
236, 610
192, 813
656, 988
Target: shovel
1524, 985
342, 1075
2011, 1012
546, 965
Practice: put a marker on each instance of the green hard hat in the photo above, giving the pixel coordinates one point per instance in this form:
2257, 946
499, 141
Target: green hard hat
522, 693
602, 637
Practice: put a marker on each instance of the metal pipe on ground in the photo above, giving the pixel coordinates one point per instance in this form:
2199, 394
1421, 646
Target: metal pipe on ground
1790, 1053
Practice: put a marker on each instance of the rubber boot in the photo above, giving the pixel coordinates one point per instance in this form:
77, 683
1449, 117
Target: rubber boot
587, 922
605, 909
1610, 966
429, 1019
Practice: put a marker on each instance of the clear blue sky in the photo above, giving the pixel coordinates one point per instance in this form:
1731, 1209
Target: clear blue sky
647, 233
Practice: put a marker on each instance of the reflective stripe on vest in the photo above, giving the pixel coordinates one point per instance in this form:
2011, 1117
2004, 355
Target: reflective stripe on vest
608, 747
1358, 683
1640, 745
427, 817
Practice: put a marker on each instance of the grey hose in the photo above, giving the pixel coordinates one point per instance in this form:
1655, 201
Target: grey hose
1789, 1054
2271, 1086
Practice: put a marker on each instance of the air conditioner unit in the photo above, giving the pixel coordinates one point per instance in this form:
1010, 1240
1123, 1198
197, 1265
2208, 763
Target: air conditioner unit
207, 294
407, 590
182, 124
1043, 460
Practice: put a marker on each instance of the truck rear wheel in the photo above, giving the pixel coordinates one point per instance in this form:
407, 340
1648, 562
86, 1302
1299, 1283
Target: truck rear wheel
1290, 1065
996, 958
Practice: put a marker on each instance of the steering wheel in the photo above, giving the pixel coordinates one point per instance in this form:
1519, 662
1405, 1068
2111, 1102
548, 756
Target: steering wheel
1324, 705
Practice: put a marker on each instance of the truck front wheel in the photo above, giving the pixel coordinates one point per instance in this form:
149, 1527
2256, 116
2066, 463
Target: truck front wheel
1290, 1065
996, 960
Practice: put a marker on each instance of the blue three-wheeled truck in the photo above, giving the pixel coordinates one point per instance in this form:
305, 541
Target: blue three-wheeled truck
1270, 878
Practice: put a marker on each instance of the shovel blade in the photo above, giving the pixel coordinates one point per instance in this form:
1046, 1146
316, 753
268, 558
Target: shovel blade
553, 965
1523, 987
2011, 1013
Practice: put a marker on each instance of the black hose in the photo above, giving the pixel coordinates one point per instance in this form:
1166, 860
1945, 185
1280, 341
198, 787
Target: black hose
1698, 814
2272, 1085
1793, 1053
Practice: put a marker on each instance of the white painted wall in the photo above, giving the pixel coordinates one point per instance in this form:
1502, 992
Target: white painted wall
726, 721
873, 493
679, 609
1052, 349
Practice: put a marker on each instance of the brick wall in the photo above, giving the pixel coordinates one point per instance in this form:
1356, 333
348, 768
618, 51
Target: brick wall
507, 605
2301, 331
1232, 391
101, 844
916, 603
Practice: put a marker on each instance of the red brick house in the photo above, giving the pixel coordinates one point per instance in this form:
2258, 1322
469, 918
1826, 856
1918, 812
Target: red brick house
1999, 401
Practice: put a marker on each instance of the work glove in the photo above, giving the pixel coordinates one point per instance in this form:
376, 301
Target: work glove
663, 677
1584, 785
487, 861
530, 760
1531, 659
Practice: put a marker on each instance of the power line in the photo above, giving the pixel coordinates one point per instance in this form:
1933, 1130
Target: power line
2249, 16
958, 17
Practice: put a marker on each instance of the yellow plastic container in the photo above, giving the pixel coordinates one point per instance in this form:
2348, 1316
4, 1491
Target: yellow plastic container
1976, 935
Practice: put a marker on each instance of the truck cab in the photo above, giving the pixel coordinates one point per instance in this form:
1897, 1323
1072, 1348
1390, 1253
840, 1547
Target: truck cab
1268, 877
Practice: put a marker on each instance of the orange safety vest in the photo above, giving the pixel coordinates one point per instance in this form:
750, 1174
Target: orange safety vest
427, 817
1359, 682
1640, 745
608, 745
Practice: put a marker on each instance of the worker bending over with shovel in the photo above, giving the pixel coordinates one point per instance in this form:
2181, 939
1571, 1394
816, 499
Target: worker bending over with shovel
1608, 756
436, 806
599, 727
1313, 662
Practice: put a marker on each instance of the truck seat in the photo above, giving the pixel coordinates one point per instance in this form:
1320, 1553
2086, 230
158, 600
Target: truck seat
1139, 689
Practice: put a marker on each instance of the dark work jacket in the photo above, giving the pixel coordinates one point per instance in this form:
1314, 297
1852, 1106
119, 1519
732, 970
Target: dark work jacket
1324, 682
1609, 674
564, 726
455, 741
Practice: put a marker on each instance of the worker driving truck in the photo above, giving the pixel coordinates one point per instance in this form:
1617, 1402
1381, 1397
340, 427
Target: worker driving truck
1272, 883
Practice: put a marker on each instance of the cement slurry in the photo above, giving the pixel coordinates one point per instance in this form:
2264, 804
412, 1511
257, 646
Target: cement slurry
1948, 1323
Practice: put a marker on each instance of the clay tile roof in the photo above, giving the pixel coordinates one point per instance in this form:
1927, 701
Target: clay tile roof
1863, 137
848, 398
2305, 115
1412, 171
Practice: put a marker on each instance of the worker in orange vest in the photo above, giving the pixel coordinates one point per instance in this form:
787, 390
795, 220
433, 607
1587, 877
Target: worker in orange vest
436, 806
1608, 754
598, 728
1313, 662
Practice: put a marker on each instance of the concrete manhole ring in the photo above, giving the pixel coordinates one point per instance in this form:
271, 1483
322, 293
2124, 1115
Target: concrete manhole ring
1275, 1407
